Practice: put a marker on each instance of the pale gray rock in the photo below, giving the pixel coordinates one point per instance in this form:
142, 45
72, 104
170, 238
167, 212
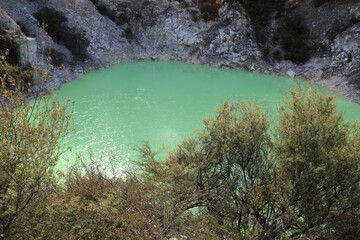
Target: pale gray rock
27, 50
291, 73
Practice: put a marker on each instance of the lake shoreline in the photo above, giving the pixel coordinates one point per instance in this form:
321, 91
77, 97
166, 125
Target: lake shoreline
171, 31
163, 103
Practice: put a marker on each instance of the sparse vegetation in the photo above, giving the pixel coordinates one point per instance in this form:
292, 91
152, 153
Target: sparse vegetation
29, 148
57, 58
13, 76
242, 177
302, 183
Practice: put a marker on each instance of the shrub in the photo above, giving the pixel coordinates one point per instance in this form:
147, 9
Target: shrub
57, 58
29, 149
209, 9
13, 76
59, 30
28, 77
296, 179
242, 176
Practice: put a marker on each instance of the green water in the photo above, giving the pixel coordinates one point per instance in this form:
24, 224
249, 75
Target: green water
162, 102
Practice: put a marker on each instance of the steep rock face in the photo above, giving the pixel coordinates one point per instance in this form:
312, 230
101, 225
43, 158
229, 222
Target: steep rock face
169, 33
231, 38
8, 23
346, 54
126, 30
182, 34
103, 34
334, 35
27, 48
106, 42
12, 36
329, 20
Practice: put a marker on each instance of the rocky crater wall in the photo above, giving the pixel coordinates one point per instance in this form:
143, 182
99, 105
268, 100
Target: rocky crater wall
126, 30
21, 47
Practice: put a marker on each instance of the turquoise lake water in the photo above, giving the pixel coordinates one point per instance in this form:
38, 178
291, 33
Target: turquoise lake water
119, 107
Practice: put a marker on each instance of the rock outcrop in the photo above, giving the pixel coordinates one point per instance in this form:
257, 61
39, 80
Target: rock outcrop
12, 37
125, 30
8, 23
27, 50
335, 34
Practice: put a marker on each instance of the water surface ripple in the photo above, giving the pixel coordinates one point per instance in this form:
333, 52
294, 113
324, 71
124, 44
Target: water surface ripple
162, 102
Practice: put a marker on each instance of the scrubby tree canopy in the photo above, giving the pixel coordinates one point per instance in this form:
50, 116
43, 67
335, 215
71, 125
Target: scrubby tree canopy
247, 174
29, 145
297, 178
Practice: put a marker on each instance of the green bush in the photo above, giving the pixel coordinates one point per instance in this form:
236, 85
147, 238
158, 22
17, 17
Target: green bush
28, 77
14, 76
30, 136
242, 176
293, 178
59, 30
109, 13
